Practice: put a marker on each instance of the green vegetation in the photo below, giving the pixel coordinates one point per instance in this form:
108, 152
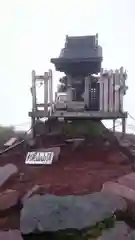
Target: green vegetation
89, 128
96, 230
88, 234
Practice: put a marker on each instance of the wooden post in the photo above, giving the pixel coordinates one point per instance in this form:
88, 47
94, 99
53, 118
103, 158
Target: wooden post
122, 87
113, 125
50, 87
34, 107
46, 94
86, 91
101, 82
110, 91
69, 89
33, 129
117, 92
106, 93
123, 126
33, 91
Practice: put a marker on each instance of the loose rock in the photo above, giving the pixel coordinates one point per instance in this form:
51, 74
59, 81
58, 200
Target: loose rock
31, 192
128, 180
107, 143
118, 158
6, 172
132, 235
8, 199
132, 152
10, 235
125, 143
52, 213
120, 231
120, 190
76, 142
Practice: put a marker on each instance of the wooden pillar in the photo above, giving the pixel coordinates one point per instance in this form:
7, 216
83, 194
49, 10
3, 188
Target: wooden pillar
50, 93
113, 125
34, 107
122, 87
110, 91
46, 94
33, 129
101, 82
86, 91
123, 126
69, 89
33, 90
50, 87
117, 91
106, 93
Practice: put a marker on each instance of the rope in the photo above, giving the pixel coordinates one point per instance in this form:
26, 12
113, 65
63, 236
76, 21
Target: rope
131, 116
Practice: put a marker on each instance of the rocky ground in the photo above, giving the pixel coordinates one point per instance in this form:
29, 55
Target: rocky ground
80, 169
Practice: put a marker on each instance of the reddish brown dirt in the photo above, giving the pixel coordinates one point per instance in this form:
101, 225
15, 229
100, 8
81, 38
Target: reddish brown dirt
79, 172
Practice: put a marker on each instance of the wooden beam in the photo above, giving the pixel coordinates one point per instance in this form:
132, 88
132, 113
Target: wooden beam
87, 114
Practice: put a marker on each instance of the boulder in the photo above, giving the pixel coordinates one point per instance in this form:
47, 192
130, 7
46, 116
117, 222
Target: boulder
119, 190
6, 172
125, 188
10, 235
53, 213
128, 180
132, 235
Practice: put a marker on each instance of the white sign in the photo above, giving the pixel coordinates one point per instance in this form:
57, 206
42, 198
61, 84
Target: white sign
39, 158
